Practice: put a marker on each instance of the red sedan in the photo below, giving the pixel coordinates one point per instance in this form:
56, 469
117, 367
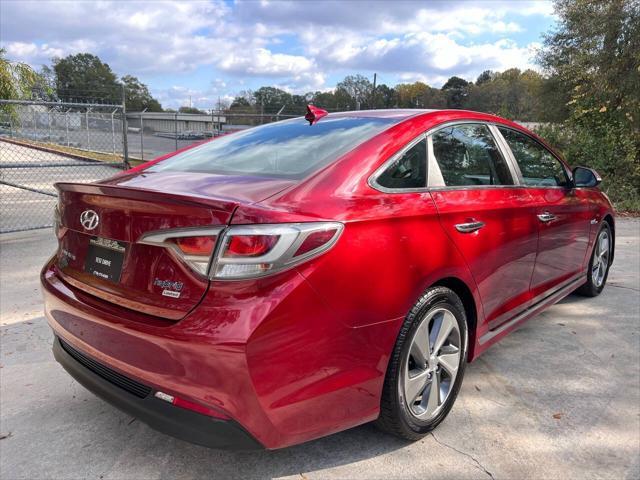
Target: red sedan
303, 277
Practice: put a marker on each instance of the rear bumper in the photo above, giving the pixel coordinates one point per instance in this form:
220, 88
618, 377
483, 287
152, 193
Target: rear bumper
158, 414
269, 356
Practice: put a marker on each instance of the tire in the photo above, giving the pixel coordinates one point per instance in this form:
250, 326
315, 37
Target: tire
402, 414
599, 264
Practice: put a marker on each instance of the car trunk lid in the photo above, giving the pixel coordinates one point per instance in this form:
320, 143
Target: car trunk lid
101, 228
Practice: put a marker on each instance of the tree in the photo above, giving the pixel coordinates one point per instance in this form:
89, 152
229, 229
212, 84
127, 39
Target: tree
512, 94
138, 97
185, 109
45, 86
354, 91
593, 55
85, 76
456, 90
385, 97
485, 77
240, 102
271, 99
410, 94
326, 100
16, 78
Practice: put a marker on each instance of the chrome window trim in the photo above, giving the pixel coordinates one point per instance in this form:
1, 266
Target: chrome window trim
434, 175
567, 171
433, 163
373, 179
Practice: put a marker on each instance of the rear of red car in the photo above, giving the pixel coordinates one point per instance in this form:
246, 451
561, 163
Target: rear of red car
166, 301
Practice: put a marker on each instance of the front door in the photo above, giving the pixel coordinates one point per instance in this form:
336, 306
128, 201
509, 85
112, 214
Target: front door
491, 221
562, 212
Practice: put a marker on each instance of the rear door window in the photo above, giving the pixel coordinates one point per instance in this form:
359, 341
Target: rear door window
468, 155
288, 149
407, 171
538, 166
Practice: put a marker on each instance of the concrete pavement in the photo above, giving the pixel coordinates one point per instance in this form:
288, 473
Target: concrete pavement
559, 398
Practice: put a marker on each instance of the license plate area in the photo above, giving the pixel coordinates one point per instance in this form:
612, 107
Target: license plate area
105, 258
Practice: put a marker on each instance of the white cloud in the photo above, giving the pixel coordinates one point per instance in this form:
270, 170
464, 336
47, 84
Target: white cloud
294, 45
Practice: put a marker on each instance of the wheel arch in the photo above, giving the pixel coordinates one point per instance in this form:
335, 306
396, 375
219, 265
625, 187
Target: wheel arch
463, 291
609, 219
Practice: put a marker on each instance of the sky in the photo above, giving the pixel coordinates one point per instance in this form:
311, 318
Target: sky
199, 51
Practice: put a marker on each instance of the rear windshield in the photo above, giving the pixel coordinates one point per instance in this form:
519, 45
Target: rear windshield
287, 149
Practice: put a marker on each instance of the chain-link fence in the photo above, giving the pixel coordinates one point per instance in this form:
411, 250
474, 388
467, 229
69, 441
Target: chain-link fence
42, 143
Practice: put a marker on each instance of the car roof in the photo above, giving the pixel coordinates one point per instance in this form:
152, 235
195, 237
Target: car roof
398, 113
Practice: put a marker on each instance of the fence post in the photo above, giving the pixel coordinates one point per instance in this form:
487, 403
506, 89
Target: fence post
142, 134
113, 132
125, 131
66, 121
175, 128
49, 122
87, 125
35, 125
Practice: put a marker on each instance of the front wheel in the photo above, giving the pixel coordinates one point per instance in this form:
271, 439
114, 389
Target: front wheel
427, 365
599, 263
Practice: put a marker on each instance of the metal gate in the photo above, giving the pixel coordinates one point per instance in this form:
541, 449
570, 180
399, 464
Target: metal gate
42, 143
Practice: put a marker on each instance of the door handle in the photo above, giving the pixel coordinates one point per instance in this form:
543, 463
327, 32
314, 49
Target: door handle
546, 217
469, 227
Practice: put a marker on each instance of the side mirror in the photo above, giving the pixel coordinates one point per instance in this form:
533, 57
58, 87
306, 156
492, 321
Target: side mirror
585, 177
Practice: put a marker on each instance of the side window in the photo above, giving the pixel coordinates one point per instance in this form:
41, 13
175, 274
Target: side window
408, 171
467, 155
537, 165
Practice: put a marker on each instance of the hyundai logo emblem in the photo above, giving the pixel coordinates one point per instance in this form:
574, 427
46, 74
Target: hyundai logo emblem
89, 219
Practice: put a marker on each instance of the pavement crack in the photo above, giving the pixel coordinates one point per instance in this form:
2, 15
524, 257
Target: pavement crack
475, 460
623, 286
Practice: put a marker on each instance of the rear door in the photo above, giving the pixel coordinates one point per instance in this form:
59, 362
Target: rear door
563, 212
489, 218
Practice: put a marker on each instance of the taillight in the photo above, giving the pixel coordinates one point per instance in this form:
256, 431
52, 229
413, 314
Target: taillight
245, 251
194, 246
249, 245
258, 250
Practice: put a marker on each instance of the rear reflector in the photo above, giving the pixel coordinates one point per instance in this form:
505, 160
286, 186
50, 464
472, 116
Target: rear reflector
194, 407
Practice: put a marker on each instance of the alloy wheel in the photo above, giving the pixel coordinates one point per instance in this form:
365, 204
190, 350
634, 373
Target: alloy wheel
431, 367
600, 259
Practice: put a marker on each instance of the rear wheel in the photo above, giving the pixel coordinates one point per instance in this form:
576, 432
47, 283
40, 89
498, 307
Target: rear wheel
426, 369
598, 264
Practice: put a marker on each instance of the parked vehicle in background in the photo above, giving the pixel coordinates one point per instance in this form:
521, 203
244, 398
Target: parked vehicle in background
303, 277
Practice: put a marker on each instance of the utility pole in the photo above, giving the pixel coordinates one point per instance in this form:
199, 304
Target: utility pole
373, 101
